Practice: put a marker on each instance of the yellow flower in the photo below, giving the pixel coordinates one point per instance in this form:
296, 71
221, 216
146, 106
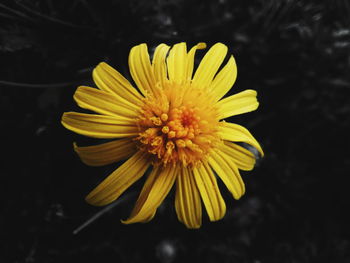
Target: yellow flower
172, 123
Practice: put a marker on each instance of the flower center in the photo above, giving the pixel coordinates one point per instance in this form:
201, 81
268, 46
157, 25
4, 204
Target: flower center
177, 125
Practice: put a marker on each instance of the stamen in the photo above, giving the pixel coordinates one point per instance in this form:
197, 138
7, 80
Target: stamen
180, 143
164, 117
171, 134
188, 143
165, 129
156, 121
157, 141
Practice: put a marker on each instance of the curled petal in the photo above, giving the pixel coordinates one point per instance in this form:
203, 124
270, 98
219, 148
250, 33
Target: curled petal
237, 133
154, 191
243, 158
190, 59
228, 172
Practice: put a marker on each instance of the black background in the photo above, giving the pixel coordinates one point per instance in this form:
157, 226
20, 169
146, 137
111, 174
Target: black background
295, 54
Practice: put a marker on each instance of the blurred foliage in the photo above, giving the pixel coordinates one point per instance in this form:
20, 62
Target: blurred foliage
295, 53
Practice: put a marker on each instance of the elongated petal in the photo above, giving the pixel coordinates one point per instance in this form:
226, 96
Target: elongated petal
104, 103
141, 69
110, 80
239, 103
99, 126
106, 153
156, 188
159, 64
187, 199
210, 193
147, 187
237, 133
190, 59
209, 65
224, 80
243, 158
228, 173
120, 180
177, 63
230, 163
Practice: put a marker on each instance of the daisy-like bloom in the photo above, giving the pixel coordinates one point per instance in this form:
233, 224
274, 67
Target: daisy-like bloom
172, 124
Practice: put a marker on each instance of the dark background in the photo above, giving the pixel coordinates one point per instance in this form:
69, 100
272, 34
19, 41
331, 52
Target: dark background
296, 54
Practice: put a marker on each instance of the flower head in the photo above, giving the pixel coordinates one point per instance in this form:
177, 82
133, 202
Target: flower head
173, 123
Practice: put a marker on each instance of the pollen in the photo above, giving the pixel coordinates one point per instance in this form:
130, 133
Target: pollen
178, 126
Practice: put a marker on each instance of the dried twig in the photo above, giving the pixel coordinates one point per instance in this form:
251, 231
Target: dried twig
18, 13
102, 212
52, 19
39, 86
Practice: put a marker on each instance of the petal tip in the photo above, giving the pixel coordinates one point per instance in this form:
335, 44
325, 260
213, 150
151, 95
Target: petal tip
64, 118
91, 200
126, 221
101, 65
201, 45
221, 45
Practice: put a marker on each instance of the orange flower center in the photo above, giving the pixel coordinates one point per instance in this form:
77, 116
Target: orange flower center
177, 125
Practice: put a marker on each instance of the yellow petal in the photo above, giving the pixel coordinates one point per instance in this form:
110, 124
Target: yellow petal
141, 69
190, 59
224, 80
99, 126
237, 133
106, 153
159, 65
244, 159
104, 103
187, 199
110, 80
156, 188
239, 103
120, 180
209, 65
237, 176
147, 187
228, 172
210, 193
177, 63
